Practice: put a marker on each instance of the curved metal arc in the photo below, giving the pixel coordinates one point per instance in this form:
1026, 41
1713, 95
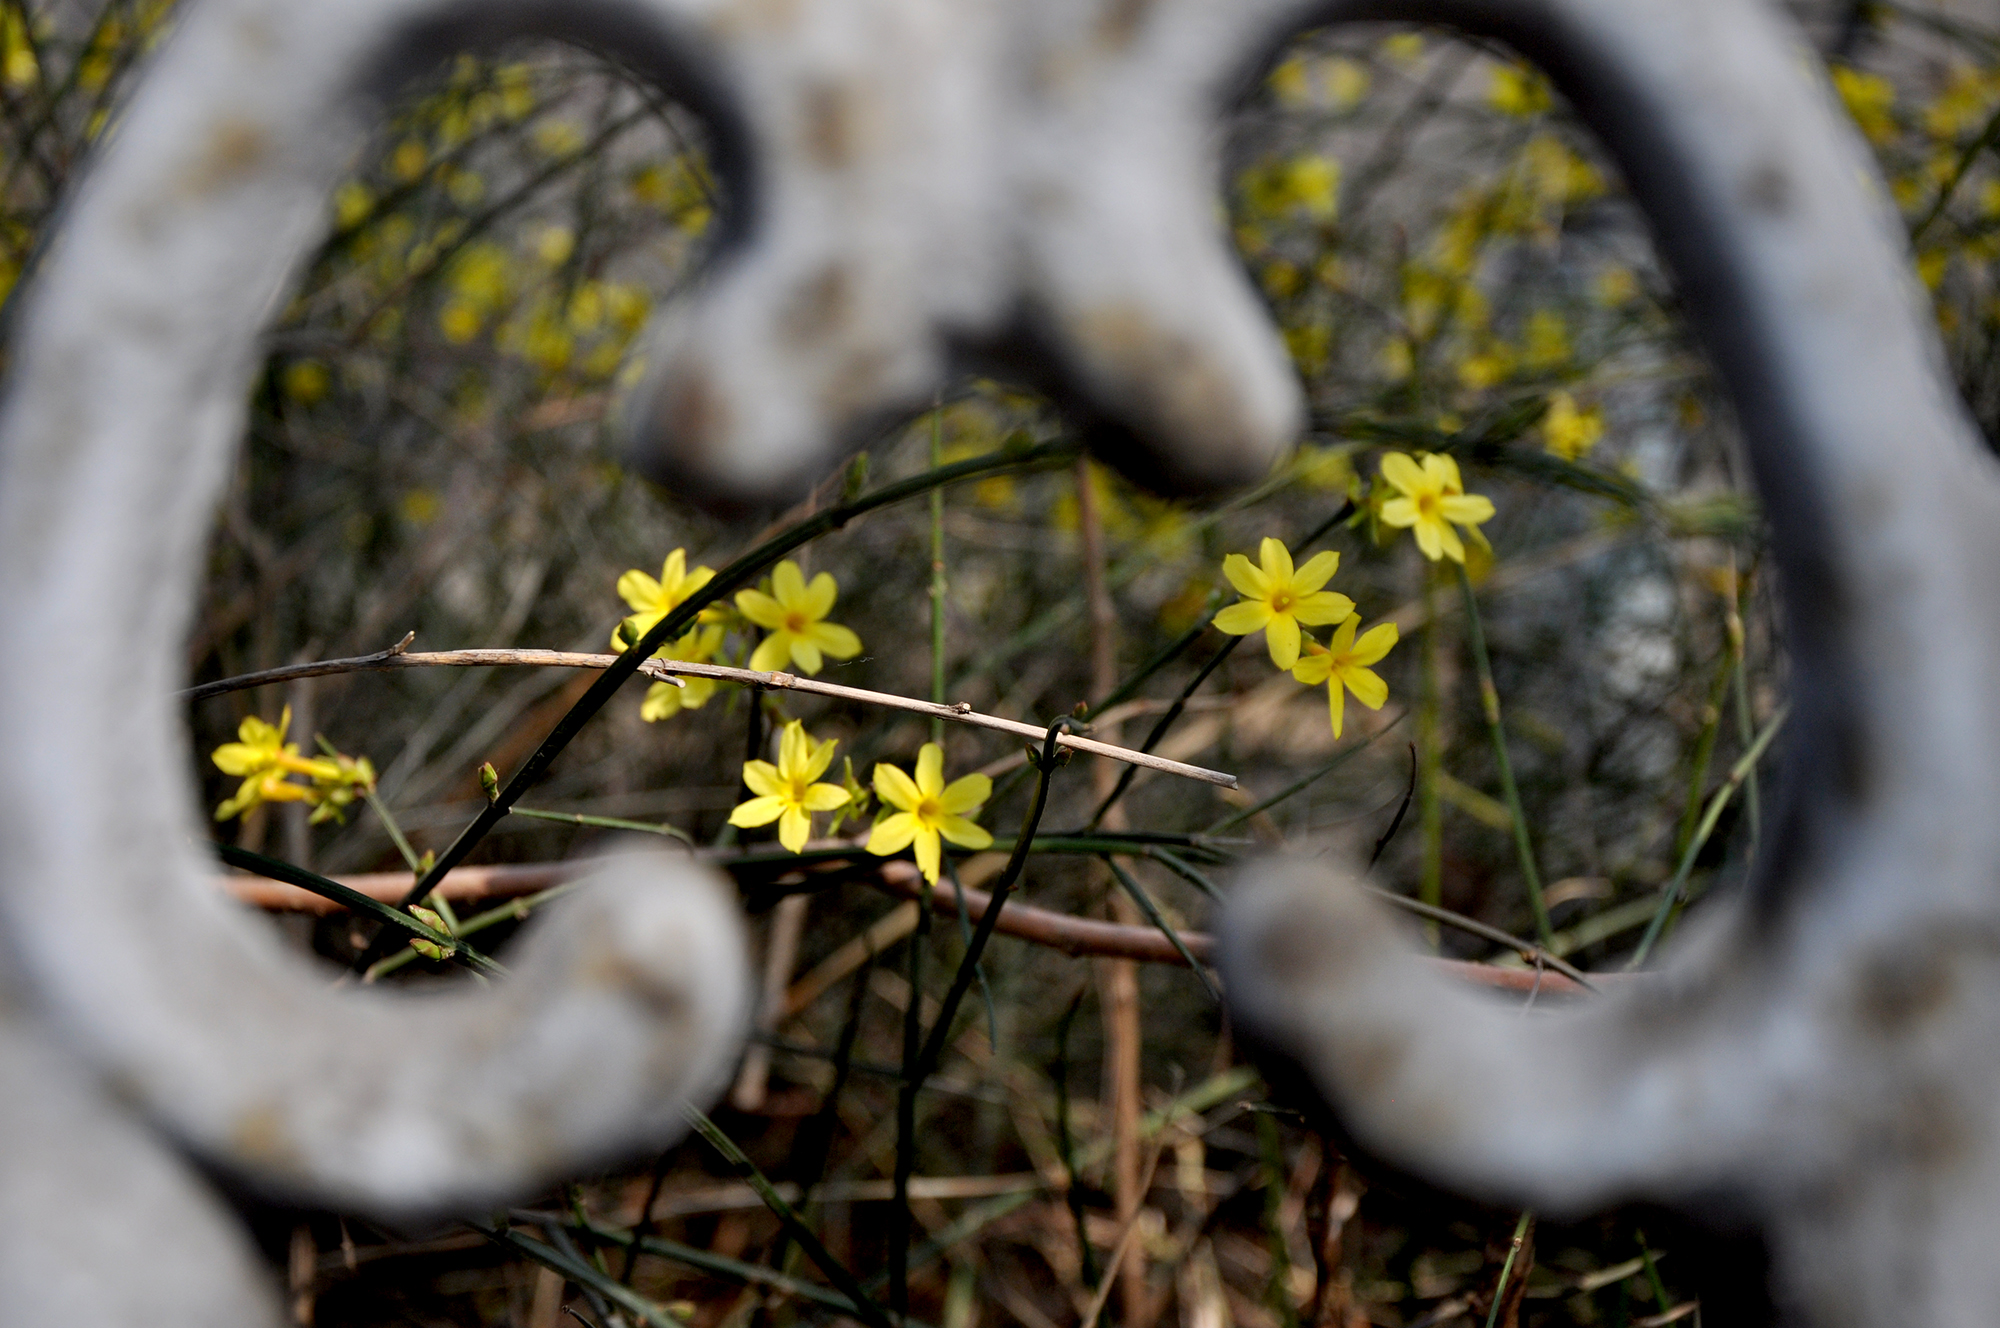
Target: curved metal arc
122, 409
1883, 508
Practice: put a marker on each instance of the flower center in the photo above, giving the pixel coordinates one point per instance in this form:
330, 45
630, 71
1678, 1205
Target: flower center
1427, 505
795, 623
930, 811
1282, 601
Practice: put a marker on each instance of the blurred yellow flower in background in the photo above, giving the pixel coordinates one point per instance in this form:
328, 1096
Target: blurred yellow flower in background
792, 613
1433, 499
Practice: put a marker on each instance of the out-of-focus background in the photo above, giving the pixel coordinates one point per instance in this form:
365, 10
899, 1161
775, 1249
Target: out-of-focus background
1457, 269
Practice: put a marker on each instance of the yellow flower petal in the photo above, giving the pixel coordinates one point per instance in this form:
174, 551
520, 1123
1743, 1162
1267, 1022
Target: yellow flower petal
1454, 548
640, 591
1323, 607
761, 609
892, 834
804, 653
1313, 669
1466, 509
896, 788
930, 770
820, 758
966, 793
834, 639
761, 777
819, 596
1282, 636
1376, 642
663, 701
1428, 537
1277, 561
1343, 637
824, 797
1367, 686
788, 584
1336, 705
1400, 513
772, 653
1243, 617
794, 829
964, 833
929, 851
1245, 577
1402, 472
757, 811
1319, 570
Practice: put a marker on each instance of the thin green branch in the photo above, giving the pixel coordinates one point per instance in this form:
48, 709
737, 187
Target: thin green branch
277, 870
864, 1305
1489, 698
1671, 896
1153, 915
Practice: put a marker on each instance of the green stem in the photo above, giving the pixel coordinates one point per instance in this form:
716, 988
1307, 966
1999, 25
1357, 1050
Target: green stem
836, 1271
1430, 755
1671, 897
1704, 752
514, 910
277, 870
1489, 699
1166, 722
604, 823
739, 574
1298, 786
582, 1273
1514, 1249
1153, 915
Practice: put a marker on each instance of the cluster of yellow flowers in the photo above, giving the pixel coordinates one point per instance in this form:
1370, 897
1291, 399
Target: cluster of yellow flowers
267, 763
1424, 495
1281, 600
927, 810
792, 610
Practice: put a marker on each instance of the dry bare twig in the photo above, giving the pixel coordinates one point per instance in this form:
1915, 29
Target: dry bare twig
672, 670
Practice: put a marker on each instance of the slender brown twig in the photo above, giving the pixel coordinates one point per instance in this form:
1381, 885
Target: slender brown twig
671, 670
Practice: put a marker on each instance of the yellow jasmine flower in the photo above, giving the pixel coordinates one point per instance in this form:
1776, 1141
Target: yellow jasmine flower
1433, 500
653, 600
928, 809
1277, 599
1343, 663
663, 699
786, 792
1568, 431
792, 614
355, 776
265, 762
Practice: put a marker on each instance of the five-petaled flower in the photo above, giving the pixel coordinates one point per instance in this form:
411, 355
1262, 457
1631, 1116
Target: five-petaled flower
1277, 598
1343, 663
653, 600
663, 699
786, 792
927, 809
1433, 501
265, 761
792, 614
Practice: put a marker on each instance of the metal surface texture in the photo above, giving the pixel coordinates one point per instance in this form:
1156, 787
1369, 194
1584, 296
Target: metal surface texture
1032, 182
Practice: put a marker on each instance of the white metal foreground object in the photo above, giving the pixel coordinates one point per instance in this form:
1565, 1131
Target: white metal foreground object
1032, 180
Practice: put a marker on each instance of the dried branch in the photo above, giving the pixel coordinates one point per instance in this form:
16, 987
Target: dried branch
1038, 926
672, 670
